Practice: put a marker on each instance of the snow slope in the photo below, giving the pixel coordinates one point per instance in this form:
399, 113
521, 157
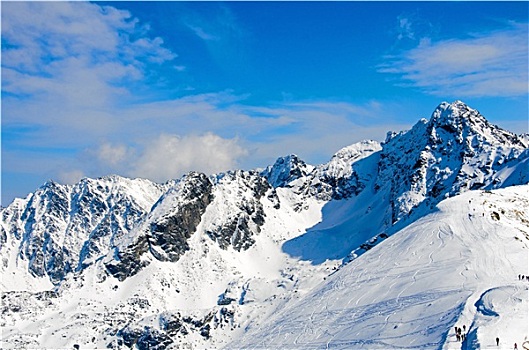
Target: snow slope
457, 266
201, 300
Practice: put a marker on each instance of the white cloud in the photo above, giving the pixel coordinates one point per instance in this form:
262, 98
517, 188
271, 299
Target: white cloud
113, 155
171, 156
73, 55
315, 130
70, 73
71, 177
218, 25
492, 64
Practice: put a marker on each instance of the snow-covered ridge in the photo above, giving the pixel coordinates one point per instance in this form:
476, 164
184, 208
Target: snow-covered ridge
59, 229
201, 260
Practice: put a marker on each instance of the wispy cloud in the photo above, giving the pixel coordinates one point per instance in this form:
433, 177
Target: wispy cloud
219, 25
210, 133
74, 54
411, 27
490, 64
201, 32
73, 76
164, 156
222, 34
70, 177
405, 29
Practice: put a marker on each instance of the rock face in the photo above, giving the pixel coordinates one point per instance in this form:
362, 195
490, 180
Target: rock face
169, 233
165, 230
113, 229
60, 229
344, 175
238, 201
285, 170
456, 150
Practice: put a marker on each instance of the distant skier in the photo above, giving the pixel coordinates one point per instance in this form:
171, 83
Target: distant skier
497, 341
515, 346
464, 328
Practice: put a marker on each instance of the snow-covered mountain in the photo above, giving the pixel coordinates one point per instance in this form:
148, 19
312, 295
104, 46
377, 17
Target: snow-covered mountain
386, 245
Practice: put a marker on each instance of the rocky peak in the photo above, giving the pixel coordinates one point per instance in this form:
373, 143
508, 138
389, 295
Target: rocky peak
466, 124
165, 231
455, 116
239, 213
341, 163
62, 228
285, 170
456, 150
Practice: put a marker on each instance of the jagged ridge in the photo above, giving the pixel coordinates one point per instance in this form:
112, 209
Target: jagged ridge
119, 227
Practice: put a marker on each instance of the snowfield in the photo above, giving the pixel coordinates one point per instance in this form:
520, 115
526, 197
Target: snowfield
456, 266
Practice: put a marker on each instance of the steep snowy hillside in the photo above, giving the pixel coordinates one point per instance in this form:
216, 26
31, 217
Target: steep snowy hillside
459, 265
207, 261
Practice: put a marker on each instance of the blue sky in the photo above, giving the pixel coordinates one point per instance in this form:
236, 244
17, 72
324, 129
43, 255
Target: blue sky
156, 89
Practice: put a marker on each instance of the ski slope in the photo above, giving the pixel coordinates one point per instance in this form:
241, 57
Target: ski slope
457, 266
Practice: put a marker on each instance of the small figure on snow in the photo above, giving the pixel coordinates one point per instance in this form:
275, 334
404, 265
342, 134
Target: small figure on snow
515, 346
497, 341
464, 328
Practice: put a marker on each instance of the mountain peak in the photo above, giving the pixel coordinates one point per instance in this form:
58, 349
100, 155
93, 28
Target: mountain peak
285, 170
466, 123
456, 150
458, 116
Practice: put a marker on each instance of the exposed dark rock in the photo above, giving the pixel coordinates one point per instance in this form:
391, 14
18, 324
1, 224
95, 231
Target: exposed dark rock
224, 300
204, 331
151, 339
166, 237
285, 170
170, 234
171, 323
129, 336
239, 229
128, 262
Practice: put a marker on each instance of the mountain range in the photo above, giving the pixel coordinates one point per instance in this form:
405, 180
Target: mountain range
388, 245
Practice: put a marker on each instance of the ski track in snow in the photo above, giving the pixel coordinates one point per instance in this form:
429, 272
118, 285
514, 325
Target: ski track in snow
441, 276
